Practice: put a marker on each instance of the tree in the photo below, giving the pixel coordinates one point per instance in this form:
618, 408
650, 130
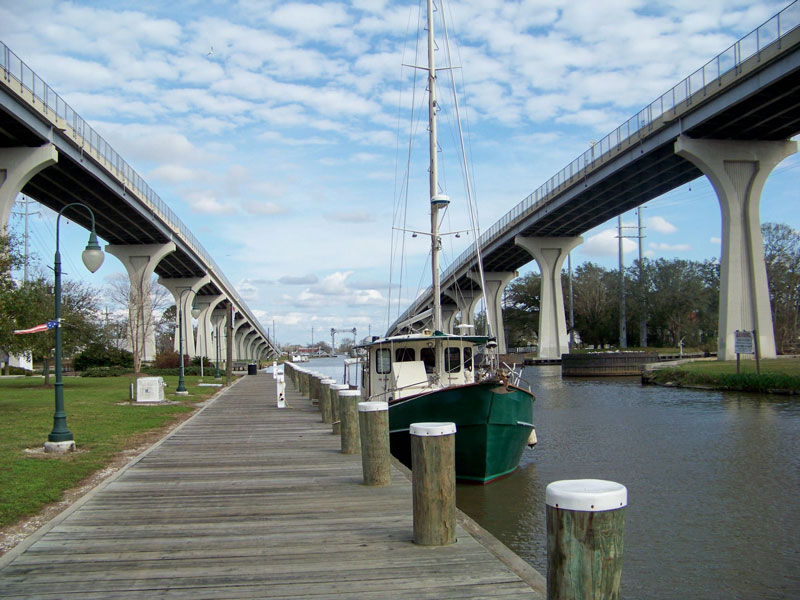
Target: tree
165, 330
595, 292
782, 257
10, 259
521, 309
141, 301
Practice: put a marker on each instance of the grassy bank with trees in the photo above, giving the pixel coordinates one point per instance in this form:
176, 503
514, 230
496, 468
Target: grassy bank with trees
778, 376
101, 417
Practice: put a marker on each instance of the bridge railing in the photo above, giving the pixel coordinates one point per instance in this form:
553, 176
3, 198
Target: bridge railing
634, 129
21, 79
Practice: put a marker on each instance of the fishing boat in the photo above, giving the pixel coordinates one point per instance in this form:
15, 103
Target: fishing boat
432, 376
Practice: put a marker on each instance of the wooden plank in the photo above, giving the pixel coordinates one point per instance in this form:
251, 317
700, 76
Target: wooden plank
250, 501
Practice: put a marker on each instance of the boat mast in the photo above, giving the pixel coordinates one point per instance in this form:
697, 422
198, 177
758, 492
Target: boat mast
436, 199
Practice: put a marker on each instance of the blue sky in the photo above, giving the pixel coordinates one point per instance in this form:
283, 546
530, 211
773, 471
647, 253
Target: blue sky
273, 129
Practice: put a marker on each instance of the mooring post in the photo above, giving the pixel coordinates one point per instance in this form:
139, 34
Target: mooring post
585, 530
373, 425
274, 369
325, 399
313, 387
303, 378
335, 415
348, 414
281, 390
433, 481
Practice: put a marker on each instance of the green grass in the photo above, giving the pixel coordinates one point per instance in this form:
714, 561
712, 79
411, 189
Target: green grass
100, 420
776, 375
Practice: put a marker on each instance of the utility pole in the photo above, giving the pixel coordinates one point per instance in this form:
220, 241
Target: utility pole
571, 311
643, 299
27, 202
623, 328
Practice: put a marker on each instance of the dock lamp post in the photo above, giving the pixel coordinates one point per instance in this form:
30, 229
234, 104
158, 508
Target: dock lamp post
181, 389
216, 369
61, 439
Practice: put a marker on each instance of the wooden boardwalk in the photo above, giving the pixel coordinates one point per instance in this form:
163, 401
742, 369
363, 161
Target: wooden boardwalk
248, 501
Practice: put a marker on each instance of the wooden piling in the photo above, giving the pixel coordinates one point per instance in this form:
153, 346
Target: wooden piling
373, 425
585, 530
313, 386
433, 478
348, 414
325, 399
335, 416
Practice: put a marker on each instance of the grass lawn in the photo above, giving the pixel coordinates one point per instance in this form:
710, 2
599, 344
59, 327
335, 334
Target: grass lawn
100, 417
782, 374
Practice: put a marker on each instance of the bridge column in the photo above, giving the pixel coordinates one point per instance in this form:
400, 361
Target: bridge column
207, 304
140, 260
466, 301
247, 340
238, 338
550, 254
177, 285
495, 286
738, 171
17, 167
449, 313
236, 335
217, 320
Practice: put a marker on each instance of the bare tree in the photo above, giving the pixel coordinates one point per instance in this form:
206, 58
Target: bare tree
143, 302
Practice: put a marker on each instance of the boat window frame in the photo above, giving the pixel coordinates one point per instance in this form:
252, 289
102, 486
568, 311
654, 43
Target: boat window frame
380, 361
452, 364
428, 356
467, 362
402, 354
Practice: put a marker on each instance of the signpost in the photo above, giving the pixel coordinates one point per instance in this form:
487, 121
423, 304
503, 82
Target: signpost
745, 343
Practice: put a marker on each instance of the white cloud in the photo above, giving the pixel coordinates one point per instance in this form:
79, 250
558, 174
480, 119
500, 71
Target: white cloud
670, 247
660, 225
606, 243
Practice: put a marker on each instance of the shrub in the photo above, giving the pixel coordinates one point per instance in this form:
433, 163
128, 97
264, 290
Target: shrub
98, 355
106, 371
169, 360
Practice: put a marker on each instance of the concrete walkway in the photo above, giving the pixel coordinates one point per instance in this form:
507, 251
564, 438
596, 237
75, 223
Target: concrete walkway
248, 501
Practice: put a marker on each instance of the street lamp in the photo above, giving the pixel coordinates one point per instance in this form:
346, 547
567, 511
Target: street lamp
61, 439
181, 389
216, 338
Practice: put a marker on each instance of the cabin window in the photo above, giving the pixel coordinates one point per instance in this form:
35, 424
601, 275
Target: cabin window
452, 360
468, 359
428, 356
383, 361
404, 355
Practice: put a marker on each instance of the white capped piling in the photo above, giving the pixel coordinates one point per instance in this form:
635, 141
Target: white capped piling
325, 399
280, 384
303, 376
335, 418
313, 386
274, 369
585, 531
373, 425
433, 478
348, 414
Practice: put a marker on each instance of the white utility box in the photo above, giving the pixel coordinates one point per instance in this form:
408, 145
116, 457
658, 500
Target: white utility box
150, 389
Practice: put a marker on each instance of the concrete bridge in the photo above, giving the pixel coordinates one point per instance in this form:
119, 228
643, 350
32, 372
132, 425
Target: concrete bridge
731, 121
48, 152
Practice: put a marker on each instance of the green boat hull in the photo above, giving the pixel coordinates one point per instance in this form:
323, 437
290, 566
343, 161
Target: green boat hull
493, 425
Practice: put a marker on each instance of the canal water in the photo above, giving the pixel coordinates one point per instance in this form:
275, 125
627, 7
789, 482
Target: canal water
713, 482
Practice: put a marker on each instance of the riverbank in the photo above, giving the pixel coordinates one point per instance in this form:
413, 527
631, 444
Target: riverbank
777, 376
109, 430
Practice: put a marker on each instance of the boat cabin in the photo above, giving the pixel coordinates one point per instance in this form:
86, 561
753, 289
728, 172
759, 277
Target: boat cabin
406, 365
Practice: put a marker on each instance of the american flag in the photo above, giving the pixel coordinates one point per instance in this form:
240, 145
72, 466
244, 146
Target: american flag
37, 329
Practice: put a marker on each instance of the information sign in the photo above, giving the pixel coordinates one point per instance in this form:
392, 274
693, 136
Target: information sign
743, 342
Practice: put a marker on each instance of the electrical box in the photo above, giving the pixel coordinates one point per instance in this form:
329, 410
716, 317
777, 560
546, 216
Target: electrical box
150, 389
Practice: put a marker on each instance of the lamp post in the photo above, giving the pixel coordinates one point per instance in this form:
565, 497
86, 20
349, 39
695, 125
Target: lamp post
181, 389
216, 368
60, 438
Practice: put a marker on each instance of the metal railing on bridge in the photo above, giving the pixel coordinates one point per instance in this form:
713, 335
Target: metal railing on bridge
634, 129
41, 96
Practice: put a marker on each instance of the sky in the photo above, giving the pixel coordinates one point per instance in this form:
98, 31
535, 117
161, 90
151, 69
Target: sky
279, 131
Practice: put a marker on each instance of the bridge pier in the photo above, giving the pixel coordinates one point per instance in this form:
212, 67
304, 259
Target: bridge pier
449, 313
550, 254
738, 171
496, 283
207, 304
140, 260
17, 167
236, 335
177, 285
466, 301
